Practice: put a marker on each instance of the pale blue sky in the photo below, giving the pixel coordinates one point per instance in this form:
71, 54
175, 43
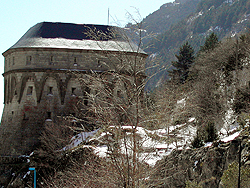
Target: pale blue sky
17, 16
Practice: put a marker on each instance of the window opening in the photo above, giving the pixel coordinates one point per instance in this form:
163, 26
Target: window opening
50, 91
75, 62
48, 115
73, 89
85, 102
99, 64
51, 60
29, 90
28, 60
48, 119
13, 61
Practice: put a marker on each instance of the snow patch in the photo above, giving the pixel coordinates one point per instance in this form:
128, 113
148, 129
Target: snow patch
231, 137
191, 120
78, 139
191, 19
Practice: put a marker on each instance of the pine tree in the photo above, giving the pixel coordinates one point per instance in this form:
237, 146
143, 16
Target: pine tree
210, 43
184, 61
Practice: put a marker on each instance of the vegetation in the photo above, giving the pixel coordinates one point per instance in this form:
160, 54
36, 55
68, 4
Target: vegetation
198, 141
185, 59
209, 16
169, 14
210, 43
203, 86
230, 176
192, 184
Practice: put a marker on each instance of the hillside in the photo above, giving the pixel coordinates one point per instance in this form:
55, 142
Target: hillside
224, 17
169, 14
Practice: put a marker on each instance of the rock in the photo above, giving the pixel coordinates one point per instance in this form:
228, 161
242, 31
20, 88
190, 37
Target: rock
204, 165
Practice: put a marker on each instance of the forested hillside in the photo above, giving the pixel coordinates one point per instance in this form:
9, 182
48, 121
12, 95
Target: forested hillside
169, 14
225, 18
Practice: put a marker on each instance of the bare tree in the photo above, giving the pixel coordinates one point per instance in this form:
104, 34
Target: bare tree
113, 100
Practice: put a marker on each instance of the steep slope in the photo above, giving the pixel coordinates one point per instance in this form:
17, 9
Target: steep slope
169, 14
224, 17
204, 165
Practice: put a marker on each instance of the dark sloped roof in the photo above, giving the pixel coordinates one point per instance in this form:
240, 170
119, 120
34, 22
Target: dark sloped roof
69, 31
75, 36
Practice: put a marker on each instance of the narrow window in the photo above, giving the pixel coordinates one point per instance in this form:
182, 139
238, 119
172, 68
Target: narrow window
99, 63
85, 102
13, 60
12, 112
75, 62
28, 60
29, 90
50, 91
48, 115
51, 60
73, 89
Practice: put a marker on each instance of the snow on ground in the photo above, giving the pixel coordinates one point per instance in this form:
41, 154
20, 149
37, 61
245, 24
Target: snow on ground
101, 151
79, 138
153, 142
182, 102
208, 144
231, 137
192, 119
154, 149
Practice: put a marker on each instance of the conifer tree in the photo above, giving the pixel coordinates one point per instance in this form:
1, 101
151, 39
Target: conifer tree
210, 43
184, 61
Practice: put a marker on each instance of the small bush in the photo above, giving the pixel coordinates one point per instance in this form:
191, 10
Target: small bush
197, 142
242, 119
242, 100
211, 132
192, 184
230, 176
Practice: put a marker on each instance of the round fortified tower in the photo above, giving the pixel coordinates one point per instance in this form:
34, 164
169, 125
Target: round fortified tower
39, 79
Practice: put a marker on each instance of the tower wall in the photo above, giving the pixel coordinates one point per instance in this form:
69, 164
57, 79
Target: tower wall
40, 84
41, 76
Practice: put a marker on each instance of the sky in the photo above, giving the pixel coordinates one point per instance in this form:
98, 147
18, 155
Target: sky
17, 16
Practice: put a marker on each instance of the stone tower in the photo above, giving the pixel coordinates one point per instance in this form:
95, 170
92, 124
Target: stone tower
39, 81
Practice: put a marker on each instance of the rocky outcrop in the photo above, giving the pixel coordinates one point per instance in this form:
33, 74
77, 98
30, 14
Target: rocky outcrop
205, 165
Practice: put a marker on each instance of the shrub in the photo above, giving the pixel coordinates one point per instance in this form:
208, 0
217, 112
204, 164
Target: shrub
192, 184
197, 142
211, 132
230, 176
